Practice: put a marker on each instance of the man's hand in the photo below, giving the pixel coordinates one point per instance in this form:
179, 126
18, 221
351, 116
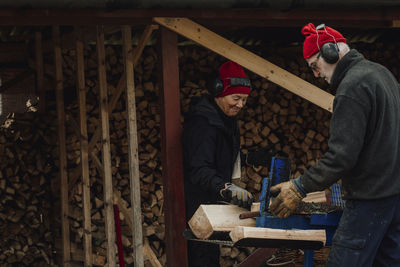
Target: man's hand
287, 201
240, 196
261, 157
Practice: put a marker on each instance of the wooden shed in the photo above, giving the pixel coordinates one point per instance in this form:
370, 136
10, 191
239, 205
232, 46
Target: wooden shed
93, 95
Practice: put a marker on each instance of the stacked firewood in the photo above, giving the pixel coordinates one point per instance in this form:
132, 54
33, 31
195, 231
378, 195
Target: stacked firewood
29, 208
28, 165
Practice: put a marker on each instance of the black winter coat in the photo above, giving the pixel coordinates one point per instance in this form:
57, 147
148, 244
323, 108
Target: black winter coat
364, 142
211, 142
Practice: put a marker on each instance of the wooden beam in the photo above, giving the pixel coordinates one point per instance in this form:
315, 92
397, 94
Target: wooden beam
171, 149
40, 72
217, 218
344, 17
249, 60
134, 177
66, 256
106, 152
80, 86
241, 232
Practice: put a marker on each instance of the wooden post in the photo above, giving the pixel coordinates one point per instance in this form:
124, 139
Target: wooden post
63, 151
106, 152
133, 148
80, 85
40, 72
171, 130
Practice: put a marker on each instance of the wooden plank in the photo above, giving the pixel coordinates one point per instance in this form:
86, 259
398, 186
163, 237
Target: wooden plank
249, 60
134, 177
63, 151
80, 77
295, 17
117, 93
152, 258
40, 72
217, 218
106, 152
315, 197
171, 149
241, 232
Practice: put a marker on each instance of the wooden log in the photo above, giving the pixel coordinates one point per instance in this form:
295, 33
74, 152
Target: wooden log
241, 232
217, 218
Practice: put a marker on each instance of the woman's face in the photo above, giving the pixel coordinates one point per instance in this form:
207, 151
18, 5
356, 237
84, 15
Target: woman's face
231, 104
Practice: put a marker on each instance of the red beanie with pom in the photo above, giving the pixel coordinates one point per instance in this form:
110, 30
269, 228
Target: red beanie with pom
228, 70
314, 41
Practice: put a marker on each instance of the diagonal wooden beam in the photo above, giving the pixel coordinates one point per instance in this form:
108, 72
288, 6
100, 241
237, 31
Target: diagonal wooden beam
249, 60
75, 174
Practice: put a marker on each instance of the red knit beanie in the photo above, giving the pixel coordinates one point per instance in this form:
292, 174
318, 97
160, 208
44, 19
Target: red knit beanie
310, 46
228, 70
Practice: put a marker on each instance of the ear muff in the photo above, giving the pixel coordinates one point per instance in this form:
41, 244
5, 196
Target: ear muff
216, 87
330, 53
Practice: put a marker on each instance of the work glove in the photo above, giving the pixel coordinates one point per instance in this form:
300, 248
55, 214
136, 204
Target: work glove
240, 196
287, 201
261, 157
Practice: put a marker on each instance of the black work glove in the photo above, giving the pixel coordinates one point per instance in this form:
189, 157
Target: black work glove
261, 157
240, 196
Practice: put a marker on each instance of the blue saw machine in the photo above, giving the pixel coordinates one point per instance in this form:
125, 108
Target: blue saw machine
280, 172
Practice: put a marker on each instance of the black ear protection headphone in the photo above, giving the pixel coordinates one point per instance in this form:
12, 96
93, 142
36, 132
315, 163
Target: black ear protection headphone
329, 51
216, 86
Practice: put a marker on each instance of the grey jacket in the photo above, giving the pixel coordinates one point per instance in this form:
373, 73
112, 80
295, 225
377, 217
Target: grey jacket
364, 142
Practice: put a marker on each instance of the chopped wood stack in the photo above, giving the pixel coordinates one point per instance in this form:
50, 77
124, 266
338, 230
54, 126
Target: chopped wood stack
27, 149
29, 179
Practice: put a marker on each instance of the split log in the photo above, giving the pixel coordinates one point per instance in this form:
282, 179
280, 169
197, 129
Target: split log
217, 218
258, 233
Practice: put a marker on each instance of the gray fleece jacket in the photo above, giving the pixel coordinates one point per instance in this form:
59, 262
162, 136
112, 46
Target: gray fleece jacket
364, 142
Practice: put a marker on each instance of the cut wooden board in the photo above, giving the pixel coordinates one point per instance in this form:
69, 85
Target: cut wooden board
213, 218
268, 237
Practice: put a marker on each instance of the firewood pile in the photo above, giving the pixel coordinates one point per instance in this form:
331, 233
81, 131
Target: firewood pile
28, 169
29, 204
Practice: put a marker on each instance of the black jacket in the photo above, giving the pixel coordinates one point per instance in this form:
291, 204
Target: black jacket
364, 143
211, 142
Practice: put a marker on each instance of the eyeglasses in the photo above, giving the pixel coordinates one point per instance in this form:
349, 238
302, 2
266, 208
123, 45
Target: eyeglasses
313, 65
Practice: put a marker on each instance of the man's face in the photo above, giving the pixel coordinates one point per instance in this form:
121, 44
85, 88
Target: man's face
231, 104
320, 68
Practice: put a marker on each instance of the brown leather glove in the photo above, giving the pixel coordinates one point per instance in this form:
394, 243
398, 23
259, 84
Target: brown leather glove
287, 201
